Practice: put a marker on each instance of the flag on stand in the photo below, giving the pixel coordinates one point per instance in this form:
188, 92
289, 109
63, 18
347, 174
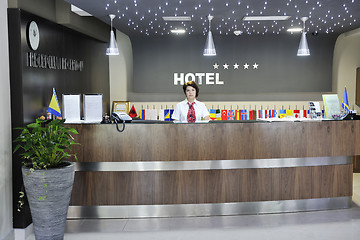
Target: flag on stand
152, 114
296, 113
274, 113
167, 114
212, 114
223, 114
345, 102
231, 115
218, 114
132, 112
161, 115
243, 114
289, 113
171, 113
237, 115
303, 113
282, 113
251, 114
54, 107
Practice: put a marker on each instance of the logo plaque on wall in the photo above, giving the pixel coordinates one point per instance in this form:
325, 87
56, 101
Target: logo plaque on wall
39, 60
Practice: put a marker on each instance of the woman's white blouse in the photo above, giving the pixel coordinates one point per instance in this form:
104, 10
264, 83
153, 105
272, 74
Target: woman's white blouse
182, 108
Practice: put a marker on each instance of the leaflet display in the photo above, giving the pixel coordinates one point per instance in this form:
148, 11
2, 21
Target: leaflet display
71, 107
93, 107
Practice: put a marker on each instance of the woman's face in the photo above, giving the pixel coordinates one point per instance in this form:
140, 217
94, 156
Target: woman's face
190, 93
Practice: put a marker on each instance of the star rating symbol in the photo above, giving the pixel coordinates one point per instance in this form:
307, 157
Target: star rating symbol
236, 66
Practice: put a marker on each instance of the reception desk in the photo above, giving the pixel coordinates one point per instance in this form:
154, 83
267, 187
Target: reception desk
160, 169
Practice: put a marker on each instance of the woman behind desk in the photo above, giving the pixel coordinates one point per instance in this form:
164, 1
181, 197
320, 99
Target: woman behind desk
190, 110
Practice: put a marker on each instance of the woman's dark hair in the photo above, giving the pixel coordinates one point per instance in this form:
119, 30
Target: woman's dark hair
191, 84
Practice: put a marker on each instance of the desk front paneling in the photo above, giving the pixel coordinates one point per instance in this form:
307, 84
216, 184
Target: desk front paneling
222, 141
211, 186
152, 143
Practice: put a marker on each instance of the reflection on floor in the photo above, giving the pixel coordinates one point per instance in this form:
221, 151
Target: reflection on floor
334, 224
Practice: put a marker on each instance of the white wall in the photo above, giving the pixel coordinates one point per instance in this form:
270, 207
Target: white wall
346, 60
6, 231
121, 67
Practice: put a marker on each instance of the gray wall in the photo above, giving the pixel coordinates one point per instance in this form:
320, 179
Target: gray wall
279, 71
6, 231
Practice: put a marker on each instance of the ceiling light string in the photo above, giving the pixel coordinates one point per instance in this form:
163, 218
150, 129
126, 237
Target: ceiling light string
303, 46
209, 49
113, 47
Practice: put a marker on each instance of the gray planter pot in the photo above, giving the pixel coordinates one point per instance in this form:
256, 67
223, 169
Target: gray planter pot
49, 215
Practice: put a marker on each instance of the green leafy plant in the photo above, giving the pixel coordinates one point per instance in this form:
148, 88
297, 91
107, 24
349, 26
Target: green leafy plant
45, 144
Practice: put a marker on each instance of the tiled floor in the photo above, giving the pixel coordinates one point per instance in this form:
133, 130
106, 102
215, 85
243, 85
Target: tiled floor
334, 224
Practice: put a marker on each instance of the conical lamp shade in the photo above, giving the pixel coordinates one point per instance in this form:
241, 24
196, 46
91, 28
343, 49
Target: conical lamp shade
113, 47
303, 46
209, 49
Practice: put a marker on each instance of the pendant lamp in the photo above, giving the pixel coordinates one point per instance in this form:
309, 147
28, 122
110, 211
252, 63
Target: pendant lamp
303, 46
113, 47
209, 49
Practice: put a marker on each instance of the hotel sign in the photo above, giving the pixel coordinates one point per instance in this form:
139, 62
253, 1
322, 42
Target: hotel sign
38, 60
199, 78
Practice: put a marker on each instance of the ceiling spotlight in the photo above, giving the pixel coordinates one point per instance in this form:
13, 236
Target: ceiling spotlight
237, 32
303, 46
113, 47
176, 18
266, 18
178, 31
209, 49
294, 30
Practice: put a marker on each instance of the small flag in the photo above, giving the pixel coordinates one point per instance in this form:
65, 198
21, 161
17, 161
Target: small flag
161, 115
276, 113
54, 107
303, 113
132, 112
289, 113
147, 114
296, 113
223, 114
345, 102
152, 114
171, 113
231, 115
142, 115
212, 114
259, 114
167, 114
282, 113
243, 114
218, 114
252, 115
237, 115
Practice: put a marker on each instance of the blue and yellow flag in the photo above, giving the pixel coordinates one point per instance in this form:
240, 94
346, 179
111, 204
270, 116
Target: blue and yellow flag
167, 115
345, 102
54, 107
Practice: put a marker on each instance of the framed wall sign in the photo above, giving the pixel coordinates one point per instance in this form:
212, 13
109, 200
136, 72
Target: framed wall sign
121, 106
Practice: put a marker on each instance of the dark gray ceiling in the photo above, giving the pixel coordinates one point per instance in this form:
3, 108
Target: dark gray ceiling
144, 17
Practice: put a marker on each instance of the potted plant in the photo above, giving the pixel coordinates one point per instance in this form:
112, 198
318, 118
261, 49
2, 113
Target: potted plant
48, 177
